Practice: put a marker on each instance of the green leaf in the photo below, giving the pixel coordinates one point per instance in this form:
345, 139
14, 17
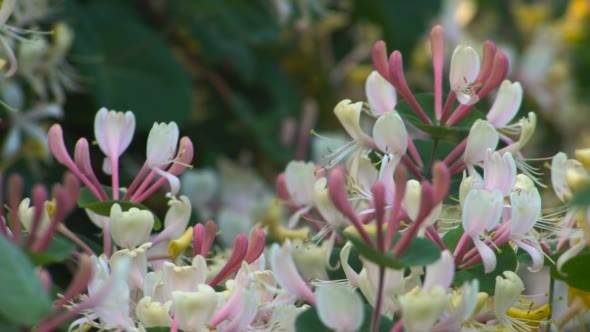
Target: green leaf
353, 260
59, 249
582, 198
574, 272
23, 299
506, 261
452, 237
420, 251
426, 100
129, 65
87, 201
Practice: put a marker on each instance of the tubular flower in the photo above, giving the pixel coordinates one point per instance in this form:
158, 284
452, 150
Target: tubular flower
463, 73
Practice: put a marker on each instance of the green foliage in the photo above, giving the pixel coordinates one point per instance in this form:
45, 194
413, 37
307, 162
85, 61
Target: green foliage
103, 208
506, 261
452, 237
420, 251
23, 300
59, 249
129, 65
574, 272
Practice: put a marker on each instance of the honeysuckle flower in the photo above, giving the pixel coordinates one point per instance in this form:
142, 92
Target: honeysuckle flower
193, 310
26, 213
464, 305
462, 74
312, 260
411, 203
506, 104
176, 219
380, 93
109, 284
339, 307
422, 308
508, 290
153, 314
161, 145
526, 126
441, 272
300, 178
499, 171
324, 205
526, 210
130, 228
390, 135
137, 267
286, 273
481, 212
482, 136
560, 166
349, 115
183, 278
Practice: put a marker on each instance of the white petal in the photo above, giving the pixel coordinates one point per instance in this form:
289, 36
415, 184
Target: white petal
464, 67
488, 256
506, 104
482, 136
390, 134
339, 307
380, 93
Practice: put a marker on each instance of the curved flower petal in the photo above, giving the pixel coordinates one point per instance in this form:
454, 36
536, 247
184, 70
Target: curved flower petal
380, 93
488, 256
506, 104
390, 135
339, 307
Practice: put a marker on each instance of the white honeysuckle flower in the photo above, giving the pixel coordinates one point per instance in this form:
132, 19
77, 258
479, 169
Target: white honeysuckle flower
380, 93
482, 210
130, 228
26, 214
153, 285
299, 179
390, 135
183, 278
311, 260
286, 274
506, 104
339, 307
162, 143
114, 310
324, 205
441, 272
499, 171
508, 290
461, 311
193, 310
138, 264
349, 115
411, 202
421, 309
560, 166
363, 174
526, 211
113, 131
467, 184
152, 313
523, 182
482, 136
527, 126
176, 219
462, 74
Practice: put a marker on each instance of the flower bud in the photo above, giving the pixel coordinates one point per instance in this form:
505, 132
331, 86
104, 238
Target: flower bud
130, 228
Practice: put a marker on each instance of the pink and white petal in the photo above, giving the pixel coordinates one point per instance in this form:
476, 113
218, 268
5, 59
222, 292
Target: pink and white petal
506, 104
351, 274
380, 93
441, 272
390, 135
570, 253
488, 256
286, 273
534, 250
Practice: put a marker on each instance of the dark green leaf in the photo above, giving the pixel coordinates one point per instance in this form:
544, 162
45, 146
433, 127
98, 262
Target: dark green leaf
426, 100
420, 251
59, 249
451, 238
103, 208
23, 299
575, 271
506, 261
582, 198
128, 64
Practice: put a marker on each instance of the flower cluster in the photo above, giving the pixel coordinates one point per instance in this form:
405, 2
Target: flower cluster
428, 219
